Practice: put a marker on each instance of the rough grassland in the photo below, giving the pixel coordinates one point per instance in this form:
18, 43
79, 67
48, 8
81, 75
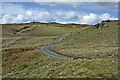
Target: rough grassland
35, 29
22, 57
91, 43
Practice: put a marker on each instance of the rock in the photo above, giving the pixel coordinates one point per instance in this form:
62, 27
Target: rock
79, 32
68, 43
56, 62
98, 32
97, 25
25, 27
52, 70
74, 59
105, 25
36, 70
76, 38
16, 72
71, 34
34, 75
106, 21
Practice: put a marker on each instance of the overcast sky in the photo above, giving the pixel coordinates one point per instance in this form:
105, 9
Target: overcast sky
79, 12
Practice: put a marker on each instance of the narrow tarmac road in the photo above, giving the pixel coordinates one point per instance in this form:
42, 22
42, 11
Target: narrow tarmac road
46, 50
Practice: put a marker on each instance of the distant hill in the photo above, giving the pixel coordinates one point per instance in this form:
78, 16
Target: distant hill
42, 29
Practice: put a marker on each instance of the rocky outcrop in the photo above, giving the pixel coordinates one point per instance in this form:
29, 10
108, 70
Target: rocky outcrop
102, 24
24, 29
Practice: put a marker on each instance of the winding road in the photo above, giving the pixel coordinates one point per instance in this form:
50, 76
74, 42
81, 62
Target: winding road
46, 50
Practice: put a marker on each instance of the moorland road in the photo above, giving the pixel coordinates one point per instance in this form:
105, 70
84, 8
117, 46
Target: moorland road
46, 50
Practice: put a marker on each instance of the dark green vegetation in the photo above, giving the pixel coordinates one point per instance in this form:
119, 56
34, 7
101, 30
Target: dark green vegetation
22, 57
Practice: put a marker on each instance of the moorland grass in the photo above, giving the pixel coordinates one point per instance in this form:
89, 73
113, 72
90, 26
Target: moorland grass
22, 57
91, 43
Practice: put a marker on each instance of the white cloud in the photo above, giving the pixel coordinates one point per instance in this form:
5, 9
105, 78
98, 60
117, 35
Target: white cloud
14, 13
13, 9
108, 5
75, 4
29, 13
67, 15
53, 4
18, 19
42, 16
76, 1
89, 19
95, 18
61, 0
7, 18
107, 16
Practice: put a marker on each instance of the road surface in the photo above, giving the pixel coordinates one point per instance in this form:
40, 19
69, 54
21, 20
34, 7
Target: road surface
46, 50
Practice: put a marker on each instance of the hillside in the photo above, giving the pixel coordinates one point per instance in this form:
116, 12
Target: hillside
91, 43
32, 33
39, 29
22, 57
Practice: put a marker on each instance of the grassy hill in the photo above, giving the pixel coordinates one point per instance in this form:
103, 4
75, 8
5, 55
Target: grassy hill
39, 29
22, 57
32, 33
91, 43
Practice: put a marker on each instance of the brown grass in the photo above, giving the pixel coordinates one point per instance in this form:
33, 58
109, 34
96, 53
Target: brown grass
8, 51
19, 59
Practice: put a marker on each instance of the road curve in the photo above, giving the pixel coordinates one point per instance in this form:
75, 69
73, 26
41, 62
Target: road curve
46, 50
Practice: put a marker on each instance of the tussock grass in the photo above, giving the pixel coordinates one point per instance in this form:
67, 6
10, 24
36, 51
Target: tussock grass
39, 65
91, 43
22, 57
